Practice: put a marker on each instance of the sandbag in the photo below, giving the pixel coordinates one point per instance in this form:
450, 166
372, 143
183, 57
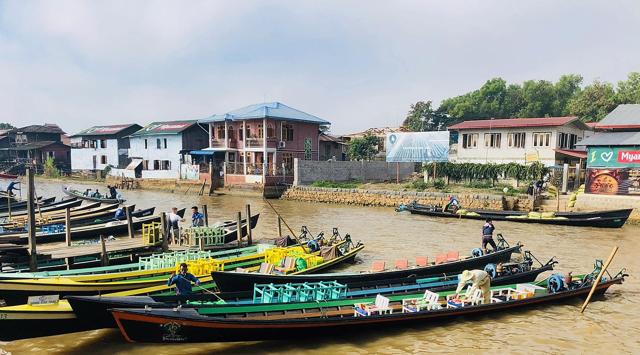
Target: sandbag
550, 214
474, 214
462, 212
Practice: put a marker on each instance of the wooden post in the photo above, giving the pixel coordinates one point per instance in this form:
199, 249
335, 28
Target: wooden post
9, 205
557, 200
434, 171
164, 231
279, 227
397, 172
239, 229
249, 235
31, 220
129, 221
67, 226
206, 215
104, 257
597, 280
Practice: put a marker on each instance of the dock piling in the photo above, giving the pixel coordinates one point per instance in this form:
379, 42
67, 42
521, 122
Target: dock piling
129, 221
67, 226
206, 215
104, 258
249, 234
239, 229
164, 231
31, 220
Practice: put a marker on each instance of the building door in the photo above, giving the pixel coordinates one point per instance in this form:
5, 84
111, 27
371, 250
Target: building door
95, 163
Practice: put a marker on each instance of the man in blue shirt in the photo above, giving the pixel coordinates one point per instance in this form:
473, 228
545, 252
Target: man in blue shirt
197, 218
183, 280
487, 235
120, 214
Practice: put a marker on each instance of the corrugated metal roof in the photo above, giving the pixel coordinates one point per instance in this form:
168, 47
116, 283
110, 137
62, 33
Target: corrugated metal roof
46, 128
170, 127
612, 138
514, 122
275, 110
627, 116
104, 130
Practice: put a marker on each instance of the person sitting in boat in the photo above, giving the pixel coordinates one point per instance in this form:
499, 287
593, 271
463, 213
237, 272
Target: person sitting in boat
183, 280
487, 235
11, 187
197, 218
120, 214
87, 192
453, 206
479, 279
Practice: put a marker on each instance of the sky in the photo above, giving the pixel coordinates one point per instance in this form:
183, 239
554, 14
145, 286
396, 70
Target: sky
357, 64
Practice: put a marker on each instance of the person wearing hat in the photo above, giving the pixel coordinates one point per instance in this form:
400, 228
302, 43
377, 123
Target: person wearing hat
478, 279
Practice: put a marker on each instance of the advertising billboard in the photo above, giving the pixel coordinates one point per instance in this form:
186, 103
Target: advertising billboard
417, 147
613, 181
613, 157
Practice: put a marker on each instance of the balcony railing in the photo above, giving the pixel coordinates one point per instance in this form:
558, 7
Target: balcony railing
220, 143
258, 169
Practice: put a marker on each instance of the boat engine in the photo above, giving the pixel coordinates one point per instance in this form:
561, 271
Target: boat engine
555, 283
313, 245
477, 252
491, 270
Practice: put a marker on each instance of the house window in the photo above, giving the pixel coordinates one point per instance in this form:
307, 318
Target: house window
165, 165
220, 132
145, 164
248, 129
103, 159
103, 143
469, 140
492, 140
156, 165
158, 143
240, 135
541, 139
51, 154
567, 140
94, 143
230, 131
260, 131
287, 161
516, 140
287, 132
146, 144
270, 131
165, 143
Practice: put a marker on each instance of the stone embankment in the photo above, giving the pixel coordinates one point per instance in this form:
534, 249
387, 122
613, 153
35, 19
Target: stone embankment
388, 198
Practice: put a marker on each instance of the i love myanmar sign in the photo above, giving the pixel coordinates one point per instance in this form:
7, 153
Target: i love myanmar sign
618, 157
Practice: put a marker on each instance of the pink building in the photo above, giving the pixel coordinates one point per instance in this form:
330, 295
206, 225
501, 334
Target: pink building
257, 144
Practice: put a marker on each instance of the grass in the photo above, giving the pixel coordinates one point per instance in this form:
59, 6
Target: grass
339, 185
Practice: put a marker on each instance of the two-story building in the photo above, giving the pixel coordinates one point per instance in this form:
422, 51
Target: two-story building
158, 150
549, 140
97, 147
258, 143
32, 145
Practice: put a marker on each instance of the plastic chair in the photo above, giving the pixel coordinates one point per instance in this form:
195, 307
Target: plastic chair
402, 264
441, 258
378, 266
453, 255
422, 261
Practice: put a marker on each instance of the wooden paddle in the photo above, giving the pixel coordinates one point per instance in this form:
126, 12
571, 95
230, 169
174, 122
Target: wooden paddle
597, 280
285, 222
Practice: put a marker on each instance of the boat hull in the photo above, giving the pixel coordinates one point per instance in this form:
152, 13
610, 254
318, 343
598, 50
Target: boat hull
236, 281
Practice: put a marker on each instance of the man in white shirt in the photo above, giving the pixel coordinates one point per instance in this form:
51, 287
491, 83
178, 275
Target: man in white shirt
173, 228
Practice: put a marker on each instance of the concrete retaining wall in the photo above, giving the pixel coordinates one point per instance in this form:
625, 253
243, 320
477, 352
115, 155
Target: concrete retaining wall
394, 198
308, 171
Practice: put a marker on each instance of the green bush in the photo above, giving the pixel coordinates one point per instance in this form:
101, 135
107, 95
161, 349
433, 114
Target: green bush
440, 184
50, 169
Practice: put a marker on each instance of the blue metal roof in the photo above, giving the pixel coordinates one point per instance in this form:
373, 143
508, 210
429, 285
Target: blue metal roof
275, 110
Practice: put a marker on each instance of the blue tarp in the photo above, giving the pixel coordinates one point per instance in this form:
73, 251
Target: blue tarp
202, 152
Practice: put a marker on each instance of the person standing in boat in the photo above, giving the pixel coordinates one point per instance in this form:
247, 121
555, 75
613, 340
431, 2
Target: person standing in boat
173, 220
487, 235
183, 280
11, 187
479, 279
112, 192
197, 218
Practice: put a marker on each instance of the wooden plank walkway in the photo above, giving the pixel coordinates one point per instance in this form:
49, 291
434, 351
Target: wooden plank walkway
118, 245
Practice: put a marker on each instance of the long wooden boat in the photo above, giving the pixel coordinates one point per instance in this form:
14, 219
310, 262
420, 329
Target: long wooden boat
22, 205
80, 195
314, 319
4, 175
239, 281
85, 232
601, 219
55, 206
93, 310
57, 217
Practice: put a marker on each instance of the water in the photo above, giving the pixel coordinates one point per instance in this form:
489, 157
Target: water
612, 325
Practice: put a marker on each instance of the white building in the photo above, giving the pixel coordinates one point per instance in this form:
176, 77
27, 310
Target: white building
549, 140
157, 151
97, 147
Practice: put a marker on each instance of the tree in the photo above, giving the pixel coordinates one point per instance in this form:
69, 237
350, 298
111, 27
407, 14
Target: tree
565, 89
594, 102
421, 117
629, 90
4, 125
363, 148
538, 98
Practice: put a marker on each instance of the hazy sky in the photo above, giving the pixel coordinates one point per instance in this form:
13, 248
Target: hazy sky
358, 64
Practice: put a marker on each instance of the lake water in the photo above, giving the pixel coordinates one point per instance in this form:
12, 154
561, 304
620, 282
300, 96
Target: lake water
611, 325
